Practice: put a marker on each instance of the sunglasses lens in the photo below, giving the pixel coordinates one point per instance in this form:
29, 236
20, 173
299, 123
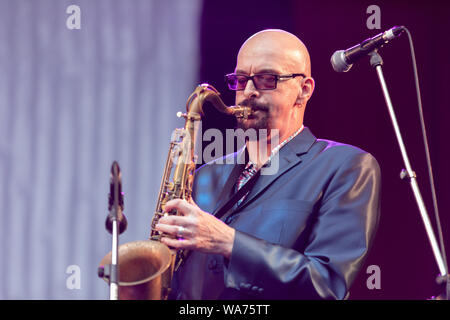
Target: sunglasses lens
265, 81
260, 81
236, 82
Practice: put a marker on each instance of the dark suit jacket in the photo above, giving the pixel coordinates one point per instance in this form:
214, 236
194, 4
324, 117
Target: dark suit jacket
301, 233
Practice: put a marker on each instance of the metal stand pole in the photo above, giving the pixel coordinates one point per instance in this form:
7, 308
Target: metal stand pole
115, 223
113, 278
376, 62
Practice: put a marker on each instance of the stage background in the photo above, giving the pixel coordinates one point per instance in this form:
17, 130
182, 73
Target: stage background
350, 108
73, 101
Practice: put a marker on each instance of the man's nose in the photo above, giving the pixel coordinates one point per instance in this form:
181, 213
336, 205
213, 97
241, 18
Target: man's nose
250, 89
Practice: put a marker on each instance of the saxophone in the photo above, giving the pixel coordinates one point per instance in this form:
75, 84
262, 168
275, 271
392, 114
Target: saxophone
146, 267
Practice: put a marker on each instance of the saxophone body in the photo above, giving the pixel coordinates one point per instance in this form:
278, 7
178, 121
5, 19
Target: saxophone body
146, 267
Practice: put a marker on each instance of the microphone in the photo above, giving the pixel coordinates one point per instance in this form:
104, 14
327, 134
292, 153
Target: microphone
342, 60
115, 200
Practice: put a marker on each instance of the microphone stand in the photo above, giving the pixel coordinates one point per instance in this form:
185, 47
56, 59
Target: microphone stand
376, 62
115, 223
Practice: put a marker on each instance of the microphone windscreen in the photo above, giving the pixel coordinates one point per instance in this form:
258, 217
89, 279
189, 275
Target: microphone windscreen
338, 61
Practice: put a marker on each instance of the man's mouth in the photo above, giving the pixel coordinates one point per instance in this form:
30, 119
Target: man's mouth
254, 106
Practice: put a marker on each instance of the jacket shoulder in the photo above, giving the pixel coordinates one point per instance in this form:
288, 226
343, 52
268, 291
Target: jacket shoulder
331, 147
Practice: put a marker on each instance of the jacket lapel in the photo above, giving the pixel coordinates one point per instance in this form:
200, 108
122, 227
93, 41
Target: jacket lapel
287, 157
231, 172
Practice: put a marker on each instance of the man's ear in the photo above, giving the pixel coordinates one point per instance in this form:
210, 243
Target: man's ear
306, 91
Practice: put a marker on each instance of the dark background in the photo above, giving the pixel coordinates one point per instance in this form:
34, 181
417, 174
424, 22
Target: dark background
350, 108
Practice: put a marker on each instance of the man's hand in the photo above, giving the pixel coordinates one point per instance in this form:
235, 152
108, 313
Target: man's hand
195, 229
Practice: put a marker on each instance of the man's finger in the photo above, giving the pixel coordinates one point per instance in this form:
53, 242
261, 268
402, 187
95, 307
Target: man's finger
174, 230
174, 220
181, 205
177, 243
169, 229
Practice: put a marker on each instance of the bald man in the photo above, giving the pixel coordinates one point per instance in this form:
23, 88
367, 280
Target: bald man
301, 232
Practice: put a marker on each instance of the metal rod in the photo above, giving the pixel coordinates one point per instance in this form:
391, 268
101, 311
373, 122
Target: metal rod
410, 173
114, 285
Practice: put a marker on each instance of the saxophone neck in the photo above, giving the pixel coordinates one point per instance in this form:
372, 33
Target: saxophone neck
206, 92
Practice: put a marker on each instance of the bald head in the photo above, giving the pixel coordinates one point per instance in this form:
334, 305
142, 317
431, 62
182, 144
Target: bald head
275, 52
281, 47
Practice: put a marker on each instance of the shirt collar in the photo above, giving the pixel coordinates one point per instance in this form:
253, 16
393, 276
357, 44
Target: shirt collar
277, 148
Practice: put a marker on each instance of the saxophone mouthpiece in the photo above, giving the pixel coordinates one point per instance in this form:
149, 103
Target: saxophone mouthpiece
241, 111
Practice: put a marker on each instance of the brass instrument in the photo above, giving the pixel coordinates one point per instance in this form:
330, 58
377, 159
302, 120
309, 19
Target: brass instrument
146, 267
